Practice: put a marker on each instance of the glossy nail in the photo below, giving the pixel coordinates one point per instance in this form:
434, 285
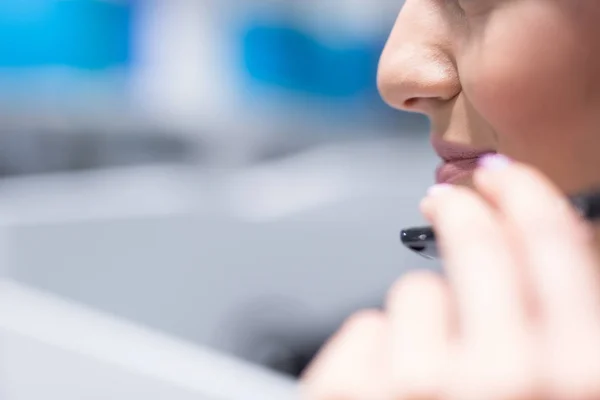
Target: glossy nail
494, 161
437, 189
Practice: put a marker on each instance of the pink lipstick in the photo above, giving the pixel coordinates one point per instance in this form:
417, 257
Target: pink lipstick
458, 160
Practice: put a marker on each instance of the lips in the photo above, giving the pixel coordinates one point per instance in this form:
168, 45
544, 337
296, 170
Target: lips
459, 161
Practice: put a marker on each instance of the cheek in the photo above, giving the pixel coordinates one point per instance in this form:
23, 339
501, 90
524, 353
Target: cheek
524, 76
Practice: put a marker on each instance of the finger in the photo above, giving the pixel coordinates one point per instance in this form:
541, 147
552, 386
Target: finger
481, 266
493, 358
572, 368
419, 311
514, 375
561, 261
562, 265
353, 365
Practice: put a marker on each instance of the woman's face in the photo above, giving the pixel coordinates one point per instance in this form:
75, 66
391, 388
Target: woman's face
520, 77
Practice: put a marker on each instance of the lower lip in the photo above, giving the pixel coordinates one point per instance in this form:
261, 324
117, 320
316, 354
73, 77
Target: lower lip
455, 171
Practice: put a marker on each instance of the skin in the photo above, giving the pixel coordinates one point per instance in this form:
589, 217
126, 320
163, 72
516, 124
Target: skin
516, 317
518, 76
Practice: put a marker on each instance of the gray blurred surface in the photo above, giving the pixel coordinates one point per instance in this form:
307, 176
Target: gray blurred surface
191, 195
222, 258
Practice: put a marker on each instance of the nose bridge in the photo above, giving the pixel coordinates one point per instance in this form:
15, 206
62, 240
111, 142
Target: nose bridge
417, 62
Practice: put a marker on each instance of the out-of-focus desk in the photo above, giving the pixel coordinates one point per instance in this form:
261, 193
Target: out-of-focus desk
53, 349
223, 259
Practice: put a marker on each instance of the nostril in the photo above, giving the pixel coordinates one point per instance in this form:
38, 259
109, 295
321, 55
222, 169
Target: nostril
410, 103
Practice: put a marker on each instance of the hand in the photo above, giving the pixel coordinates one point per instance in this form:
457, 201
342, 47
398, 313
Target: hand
516, 318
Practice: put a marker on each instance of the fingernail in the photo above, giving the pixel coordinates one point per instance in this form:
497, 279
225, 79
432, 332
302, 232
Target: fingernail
437, 189
494, 161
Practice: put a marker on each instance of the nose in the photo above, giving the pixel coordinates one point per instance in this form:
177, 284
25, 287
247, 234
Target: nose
417, 71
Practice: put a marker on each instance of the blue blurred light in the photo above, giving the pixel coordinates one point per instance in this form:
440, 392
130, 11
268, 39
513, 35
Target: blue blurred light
287, 57
81, 34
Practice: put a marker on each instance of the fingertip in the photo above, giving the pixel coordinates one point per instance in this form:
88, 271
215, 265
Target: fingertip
493, 179
523, 184
424, 204
499, 171
494, 162
427, 208
485, 181
492, 166
435, 195
352, 363
438, 189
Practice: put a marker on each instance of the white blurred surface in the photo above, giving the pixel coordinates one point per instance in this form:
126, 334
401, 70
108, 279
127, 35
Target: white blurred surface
55, 349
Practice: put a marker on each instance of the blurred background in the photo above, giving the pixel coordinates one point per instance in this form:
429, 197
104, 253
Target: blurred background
222, 171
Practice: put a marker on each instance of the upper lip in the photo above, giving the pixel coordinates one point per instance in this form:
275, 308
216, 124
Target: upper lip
450, 152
